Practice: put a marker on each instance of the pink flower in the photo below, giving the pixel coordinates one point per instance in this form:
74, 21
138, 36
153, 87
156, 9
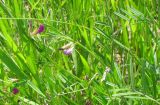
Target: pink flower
39, 30
68, 48
68, 51
15, 91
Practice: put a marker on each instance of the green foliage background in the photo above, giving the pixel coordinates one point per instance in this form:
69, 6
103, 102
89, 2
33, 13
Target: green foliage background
122, 35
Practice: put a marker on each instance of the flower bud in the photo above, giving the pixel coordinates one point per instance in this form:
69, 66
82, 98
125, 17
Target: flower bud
15, 91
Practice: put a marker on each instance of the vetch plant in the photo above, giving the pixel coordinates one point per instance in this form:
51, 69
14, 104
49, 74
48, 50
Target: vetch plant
15, 91
68, 48
68, 51
39, 30
93, 34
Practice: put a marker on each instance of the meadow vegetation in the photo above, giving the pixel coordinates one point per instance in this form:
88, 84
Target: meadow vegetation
80, 52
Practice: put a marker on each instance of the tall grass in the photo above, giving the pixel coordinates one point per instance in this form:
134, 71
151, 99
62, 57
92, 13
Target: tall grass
115, 60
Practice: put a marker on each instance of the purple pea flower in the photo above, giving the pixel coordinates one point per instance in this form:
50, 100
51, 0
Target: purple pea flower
40, 29
15, 91
68, 51
68, 48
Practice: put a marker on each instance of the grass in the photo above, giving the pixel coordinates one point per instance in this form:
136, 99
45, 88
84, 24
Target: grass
115, 58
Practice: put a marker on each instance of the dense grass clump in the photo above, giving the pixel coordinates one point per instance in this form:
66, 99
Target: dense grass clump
80, 52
